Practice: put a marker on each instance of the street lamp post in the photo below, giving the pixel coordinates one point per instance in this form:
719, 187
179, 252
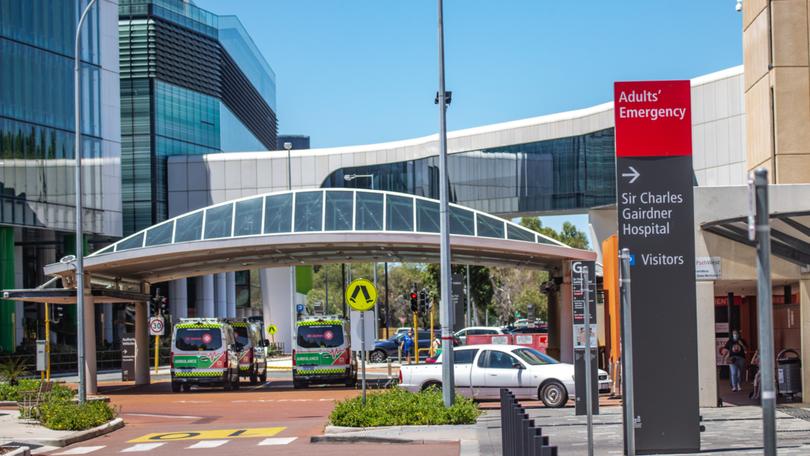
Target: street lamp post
80, 348
446, 316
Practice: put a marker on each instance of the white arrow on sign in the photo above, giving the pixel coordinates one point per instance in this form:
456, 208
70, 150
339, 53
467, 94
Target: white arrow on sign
634, 175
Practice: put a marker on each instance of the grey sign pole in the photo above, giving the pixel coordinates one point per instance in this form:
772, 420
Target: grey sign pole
586, 286
764, 290
627, 356
446, 315
363, 352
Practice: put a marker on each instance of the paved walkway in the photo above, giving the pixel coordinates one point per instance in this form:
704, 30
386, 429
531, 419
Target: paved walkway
12, 429
729, 430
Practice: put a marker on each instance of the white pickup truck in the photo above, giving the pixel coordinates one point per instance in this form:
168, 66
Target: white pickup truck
482, 370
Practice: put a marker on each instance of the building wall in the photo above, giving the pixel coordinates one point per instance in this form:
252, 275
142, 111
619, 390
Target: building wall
777, 88
551, 164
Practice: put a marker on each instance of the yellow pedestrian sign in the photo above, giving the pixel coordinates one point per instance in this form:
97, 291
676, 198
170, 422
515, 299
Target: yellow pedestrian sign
361, 295
271, 329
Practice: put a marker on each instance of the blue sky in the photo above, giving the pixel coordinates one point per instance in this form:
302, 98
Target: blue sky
364, 71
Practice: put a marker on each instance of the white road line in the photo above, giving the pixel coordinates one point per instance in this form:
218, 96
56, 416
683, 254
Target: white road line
277, 441
82, 450
208, 444
183, 417
142, 447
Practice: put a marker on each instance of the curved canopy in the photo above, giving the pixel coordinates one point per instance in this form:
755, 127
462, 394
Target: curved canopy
316, 227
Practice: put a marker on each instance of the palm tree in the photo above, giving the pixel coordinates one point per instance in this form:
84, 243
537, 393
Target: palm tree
12, 370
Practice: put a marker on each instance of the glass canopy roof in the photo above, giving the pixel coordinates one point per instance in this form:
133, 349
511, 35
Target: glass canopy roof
332, 210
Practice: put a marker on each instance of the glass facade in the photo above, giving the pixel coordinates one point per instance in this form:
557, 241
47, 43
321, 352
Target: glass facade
169, 109
563, 174
36, 115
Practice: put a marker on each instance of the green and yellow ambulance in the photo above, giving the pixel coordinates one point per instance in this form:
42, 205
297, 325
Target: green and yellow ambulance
204, 353
322, 352
253, 355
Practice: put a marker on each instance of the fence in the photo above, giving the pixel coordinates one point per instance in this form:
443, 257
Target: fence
538, 341
519, 436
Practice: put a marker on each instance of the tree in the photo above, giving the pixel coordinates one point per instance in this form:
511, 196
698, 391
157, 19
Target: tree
480, 284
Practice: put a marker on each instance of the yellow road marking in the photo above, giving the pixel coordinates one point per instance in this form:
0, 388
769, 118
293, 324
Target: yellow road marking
209, 434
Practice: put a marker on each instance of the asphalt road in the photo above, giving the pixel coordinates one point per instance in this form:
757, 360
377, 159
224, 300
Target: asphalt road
254, 420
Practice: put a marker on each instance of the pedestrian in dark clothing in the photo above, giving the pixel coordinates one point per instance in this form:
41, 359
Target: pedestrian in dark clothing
734, 353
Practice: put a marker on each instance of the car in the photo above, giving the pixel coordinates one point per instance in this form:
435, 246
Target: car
476, 331
482, 370
389, 348
253, 356
204, 353
537, 329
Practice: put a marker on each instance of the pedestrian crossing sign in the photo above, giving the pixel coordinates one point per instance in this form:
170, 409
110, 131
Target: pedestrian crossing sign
361, 295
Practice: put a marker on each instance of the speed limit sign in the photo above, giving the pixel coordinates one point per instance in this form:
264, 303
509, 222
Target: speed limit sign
156, 326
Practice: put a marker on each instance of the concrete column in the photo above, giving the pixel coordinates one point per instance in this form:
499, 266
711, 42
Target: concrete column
90, 367
566, 316
221, 295
276, 306
205, 296
141, 343
179, 299
107, 309
230, 283
804, 328
707, 361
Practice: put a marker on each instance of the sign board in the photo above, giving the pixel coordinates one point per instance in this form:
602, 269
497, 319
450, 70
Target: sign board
41, 355
458, 303
707, 268
721, 328
371, 332
719, 344
500, 340
299, 308
128, 359
361, 295
654, 179
271, 329
579, 299
156, 326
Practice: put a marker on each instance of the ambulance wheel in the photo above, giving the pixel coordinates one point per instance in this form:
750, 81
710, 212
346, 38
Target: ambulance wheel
228, 381
351, 382
176, 387
236, 382
253, 378
263, 377
186, 387
299, 384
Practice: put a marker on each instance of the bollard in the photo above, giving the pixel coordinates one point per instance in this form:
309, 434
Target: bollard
519, 435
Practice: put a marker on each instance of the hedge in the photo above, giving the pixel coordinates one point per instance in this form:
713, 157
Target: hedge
397, 407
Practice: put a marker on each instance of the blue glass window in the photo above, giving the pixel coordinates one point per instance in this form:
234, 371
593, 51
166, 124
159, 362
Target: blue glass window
159, 235
339, 211
462, 221
308, 211
132, 243
189, 227
278, 214
519, 234
369, 212
248, 217
218, 221
489, 226
427, 216
399, 216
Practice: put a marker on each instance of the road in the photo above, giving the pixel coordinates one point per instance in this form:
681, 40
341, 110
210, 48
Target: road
253, 420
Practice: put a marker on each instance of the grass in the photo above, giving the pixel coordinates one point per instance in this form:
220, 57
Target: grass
397, 407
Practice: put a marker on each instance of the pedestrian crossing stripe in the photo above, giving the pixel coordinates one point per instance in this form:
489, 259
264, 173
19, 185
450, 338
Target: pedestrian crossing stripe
209, 434
145, 447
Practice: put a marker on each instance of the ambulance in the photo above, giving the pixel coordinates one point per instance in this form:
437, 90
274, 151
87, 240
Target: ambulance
322, 352
204, 353
253, 355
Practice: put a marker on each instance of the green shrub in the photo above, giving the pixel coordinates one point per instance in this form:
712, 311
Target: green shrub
397, 407
12, 393
69, 416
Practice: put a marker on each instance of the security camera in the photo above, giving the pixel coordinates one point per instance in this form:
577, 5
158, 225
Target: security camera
738, 6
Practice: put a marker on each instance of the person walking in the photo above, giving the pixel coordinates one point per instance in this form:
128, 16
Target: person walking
407, 345
734, 354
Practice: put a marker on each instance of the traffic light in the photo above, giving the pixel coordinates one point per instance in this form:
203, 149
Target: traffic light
414, 303
58, 313
423, 300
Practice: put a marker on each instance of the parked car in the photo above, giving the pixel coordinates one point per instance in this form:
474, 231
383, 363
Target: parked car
385, 348
538, 328
482, 370
477, 330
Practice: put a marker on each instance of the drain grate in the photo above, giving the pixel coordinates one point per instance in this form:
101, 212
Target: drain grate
796, 412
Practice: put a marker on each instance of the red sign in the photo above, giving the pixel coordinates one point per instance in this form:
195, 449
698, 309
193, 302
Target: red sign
653, 118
